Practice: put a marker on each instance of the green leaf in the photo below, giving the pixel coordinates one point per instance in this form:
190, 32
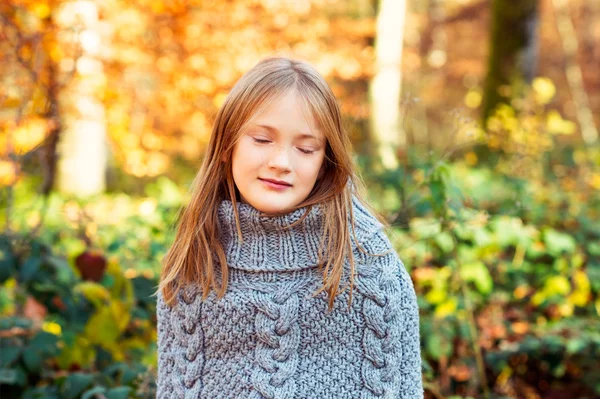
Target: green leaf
41, 347
477, 273
129, 375
594, 248
558, 242
425, 227
10, 322
13, 376
8, 264
32, 359
437, 346
482, 237
167, 192
575, 345
45, 392
118, 393
30, 268
75, 384
90, 393
45, 343
593, 271
511, 231
9, 354
444, 241
64, 273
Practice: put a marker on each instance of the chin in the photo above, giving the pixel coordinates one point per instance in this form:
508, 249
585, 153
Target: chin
271, 205
270, 208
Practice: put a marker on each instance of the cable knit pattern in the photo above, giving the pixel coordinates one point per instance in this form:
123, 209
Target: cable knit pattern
269, 337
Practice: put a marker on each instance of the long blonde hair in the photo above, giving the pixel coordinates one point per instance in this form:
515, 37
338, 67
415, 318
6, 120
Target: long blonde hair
197, 249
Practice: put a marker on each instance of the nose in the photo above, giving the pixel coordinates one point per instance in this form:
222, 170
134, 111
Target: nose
280, 160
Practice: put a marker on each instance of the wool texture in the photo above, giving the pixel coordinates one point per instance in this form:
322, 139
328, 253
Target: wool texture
270, 337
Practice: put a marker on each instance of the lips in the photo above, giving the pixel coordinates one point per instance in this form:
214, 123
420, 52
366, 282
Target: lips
274, 182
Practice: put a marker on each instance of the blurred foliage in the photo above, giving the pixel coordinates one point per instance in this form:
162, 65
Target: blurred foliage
160, 81
504, 254
506, 266
78, 317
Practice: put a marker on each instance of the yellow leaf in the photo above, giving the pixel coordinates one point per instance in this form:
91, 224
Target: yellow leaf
520, 327
52, 328
12, 102
446, 309
30, 134
581, 280
121, 314
555, 124
521, 291
80, 353
471, 158
436, 296
578, 259
544, 90
473, 99
102, 328
219, 99
566, 309
557, 285
504, 376
56, 53
135, 343
578, 298
8, 173
581, 295
595, 181
41, 10
157, 7
538, 298
94, 292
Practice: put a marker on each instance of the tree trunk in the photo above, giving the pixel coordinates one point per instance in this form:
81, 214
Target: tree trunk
513, 50
83, 147
384, 90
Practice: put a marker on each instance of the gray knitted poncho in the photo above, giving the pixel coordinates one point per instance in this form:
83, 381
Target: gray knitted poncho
268, 337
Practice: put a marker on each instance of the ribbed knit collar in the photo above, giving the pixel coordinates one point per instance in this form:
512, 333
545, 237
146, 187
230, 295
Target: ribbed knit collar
268, 246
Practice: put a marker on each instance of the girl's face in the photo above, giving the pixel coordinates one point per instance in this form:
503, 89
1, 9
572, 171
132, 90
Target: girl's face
277, 160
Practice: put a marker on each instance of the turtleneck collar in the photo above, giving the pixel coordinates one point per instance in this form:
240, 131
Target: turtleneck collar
269, 246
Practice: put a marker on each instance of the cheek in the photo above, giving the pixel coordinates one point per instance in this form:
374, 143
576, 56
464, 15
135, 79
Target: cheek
308, 170
245, 160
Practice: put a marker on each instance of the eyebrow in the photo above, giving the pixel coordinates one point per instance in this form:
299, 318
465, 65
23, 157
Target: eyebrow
302, 135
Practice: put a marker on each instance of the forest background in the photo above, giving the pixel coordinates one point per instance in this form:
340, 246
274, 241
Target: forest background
475, 124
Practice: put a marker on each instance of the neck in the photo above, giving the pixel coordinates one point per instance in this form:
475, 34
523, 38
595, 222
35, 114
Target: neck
269, 244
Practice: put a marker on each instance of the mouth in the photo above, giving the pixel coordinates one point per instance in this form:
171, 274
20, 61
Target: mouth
277, 184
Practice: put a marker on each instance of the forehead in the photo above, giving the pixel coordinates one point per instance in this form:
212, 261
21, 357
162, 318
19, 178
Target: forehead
288, 114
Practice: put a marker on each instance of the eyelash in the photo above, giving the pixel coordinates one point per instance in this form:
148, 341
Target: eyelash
261, 141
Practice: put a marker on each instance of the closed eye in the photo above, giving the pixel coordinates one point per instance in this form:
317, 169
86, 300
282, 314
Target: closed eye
260, 141
305, 151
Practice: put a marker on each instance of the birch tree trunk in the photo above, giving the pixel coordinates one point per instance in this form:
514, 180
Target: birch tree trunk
385, 88
83, 147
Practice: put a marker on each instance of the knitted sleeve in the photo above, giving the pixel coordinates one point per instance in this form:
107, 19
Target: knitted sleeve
165, 338
411, 382
391, 312
180, 347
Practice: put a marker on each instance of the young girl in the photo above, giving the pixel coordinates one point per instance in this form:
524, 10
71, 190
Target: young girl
247, 303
